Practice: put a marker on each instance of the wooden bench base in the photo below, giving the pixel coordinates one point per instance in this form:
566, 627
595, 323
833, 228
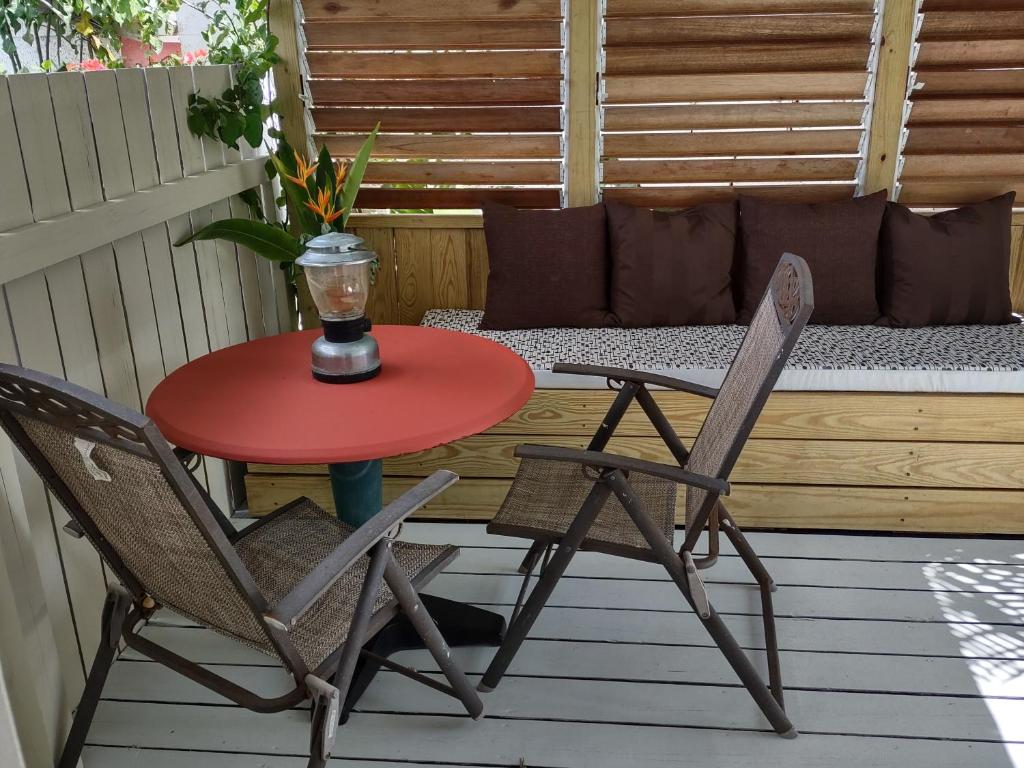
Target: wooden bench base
816, 460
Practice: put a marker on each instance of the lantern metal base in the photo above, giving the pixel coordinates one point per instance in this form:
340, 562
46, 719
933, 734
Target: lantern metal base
345, 378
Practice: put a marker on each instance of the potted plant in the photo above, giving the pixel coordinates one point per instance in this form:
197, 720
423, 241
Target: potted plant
319, 197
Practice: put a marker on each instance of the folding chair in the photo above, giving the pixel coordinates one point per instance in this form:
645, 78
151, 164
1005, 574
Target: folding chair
567, 499
297, 585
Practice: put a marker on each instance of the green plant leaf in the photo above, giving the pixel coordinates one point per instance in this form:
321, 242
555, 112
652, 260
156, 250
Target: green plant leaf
253, 129
268, 241
355, 174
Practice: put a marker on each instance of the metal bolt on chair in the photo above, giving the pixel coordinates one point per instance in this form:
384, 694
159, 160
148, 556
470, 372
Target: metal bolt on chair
297, 585
567, 499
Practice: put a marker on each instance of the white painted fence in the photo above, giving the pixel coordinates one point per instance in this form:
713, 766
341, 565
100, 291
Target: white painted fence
100, 176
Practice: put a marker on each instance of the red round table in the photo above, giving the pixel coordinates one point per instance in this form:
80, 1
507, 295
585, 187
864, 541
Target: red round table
259, 402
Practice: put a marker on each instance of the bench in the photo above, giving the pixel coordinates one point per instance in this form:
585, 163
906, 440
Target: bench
916, 430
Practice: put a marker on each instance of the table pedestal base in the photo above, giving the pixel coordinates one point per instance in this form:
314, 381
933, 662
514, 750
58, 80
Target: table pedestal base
358, 490
460, 624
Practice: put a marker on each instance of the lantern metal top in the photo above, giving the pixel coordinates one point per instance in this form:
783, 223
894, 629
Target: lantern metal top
335, 248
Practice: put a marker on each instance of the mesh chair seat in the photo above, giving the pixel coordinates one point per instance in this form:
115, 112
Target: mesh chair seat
280, 552
546, 496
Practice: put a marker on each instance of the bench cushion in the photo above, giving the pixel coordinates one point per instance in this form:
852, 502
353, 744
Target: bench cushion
958, 358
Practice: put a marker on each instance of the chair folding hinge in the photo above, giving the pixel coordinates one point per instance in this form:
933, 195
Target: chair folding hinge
72, 528
698, 593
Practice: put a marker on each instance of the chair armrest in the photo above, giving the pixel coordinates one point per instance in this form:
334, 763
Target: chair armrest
330, 569
639, 377
603, 460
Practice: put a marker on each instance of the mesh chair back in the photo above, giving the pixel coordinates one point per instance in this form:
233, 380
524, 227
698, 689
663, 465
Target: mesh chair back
773, 331
119, 480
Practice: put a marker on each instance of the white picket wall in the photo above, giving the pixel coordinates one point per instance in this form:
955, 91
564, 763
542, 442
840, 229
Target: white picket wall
100, 177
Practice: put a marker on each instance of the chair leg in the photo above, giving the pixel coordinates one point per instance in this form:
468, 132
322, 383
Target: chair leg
766, 586
115, 609
425, 627
528, 574
567, 546
737, 659
530, 561
326, 705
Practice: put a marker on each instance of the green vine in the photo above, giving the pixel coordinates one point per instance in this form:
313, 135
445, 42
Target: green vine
239, 35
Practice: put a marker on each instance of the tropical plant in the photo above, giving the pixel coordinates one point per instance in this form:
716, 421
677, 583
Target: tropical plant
319, 195
90, 28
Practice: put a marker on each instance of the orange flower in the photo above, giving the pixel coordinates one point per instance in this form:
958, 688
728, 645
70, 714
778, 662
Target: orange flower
324, 207
341, 168
303, 170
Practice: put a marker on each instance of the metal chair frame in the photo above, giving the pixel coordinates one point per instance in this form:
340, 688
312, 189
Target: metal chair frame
127, 605
682, 566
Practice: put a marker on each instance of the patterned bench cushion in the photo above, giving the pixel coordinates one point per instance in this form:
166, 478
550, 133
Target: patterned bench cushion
960, 358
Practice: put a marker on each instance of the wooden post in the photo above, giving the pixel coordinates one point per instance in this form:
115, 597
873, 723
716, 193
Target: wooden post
897, 40
288, 73
583, 47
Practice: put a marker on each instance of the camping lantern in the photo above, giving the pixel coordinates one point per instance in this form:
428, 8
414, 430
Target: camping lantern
338, 272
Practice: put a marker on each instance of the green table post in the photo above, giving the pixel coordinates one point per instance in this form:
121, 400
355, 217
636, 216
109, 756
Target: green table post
358, 491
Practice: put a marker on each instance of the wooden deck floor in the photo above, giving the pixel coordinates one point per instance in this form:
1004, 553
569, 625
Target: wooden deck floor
896, 652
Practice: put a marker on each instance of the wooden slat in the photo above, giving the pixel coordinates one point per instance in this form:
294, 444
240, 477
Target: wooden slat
428, 65
695, 59
288, 75
971, 5
624, 89
457, 198
792, 462
971, 25
414, 9
797, 169
683, 197
723, 7
971, 84
958, 192
946, 111
980, 167
754, 506
439, 119
584, 85
463, 173
793, 415
890, 94
683, 117
376, 35
417, 220
529, 146
461, 91
732, 143
969, 139
968, 53
749, 29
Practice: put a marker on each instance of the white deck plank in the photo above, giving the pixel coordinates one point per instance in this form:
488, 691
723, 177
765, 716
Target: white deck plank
495, 741
814, 602
133, 757
793, 544
563, 658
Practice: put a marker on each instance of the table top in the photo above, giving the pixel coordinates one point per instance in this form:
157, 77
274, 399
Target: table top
259, 402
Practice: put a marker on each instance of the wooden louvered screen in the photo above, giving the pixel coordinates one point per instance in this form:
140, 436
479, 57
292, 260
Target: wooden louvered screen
468, 93
702, 98
965, 138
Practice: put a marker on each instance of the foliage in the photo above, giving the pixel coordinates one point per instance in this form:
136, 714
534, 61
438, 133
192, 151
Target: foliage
238, 35
320, 196
92, 28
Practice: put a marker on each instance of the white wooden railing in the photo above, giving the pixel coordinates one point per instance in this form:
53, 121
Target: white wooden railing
100, 176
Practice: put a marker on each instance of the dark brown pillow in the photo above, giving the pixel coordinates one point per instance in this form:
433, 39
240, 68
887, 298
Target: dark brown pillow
547, 268
952, 268
672, 268
838, 240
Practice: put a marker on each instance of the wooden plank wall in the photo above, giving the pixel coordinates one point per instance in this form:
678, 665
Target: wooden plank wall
101, 177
